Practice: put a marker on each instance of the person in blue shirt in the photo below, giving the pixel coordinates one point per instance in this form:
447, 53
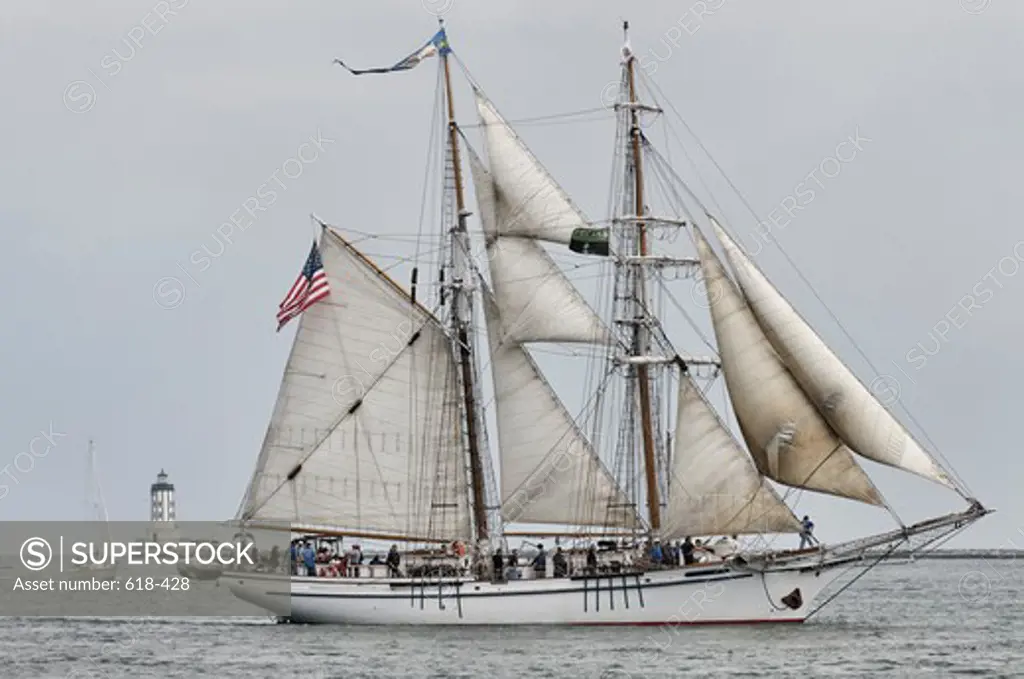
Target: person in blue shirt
807, 538
656, 553
309, 558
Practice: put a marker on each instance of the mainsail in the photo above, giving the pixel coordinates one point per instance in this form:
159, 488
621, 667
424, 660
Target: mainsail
788, 439
859, 419
550, 472
365, 432
713, 487
536, 301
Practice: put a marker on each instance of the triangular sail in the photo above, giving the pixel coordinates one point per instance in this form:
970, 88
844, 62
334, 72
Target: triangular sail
714, 489
530, 203
859, 419
786, 436
486, 195
365, 433
536, 302
550, 472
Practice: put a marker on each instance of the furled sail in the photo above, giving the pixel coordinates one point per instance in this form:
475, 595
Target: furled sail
530, 203
536, 302
786, 436
859, 419
714, 489
550, 472
365, 433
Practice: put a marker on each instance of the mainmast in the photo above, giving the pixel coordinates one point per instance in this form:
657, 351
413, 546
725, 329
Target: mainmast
462, 307
641, 339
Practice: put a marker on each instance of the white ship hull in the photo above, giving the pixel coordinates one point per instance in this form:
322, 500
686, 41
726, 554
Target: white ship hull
697, 595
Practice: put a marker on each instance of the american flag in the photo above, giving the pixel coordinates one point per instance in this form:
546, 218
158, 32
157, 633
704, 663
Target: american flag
309, 288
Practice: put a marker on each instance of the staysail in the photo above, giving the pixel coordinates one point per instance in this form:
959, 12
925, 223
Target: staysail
714, 489
536, 301
859, 419
786, 436
530, 203
550, 472
365, 432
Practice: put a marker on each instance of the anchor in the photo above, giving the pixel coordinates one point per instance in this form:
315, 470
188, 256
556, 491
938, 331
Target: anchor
794, 599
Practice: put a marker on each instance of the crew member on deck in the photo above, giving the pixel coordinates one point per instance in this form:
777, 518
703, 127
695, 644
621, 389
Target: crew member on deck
656, 554
355, 558
540, 562
393, 561
560, 563
592, 559
807, 538
726, 546
687, 551
513, 565
497, 563
309, 559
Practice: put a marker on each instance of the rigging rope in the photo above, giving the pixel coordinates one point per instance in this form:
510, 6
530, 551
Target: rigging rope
855, 579
554, 116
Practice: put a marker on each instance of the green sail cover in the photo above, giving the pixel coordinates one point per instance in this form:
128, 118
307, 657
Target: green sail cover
589, 241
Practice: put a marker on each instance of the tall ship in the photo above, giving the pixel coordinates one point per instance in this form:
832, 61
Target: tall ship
420, 415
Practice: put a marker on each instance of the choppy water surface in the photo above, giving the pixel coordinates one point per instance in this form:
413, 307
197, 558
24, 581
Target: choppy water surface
930, 618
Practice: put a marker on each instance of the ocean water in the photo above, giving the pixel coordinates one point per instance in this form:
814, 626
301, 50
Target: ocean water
924, 619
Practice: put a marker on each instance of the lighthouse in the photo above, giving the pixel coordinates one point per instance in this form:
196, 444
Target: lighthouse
161, 495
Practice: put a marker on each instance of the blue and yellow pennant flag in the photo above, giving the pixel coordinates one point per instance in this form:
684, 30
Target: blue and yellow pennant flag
438, 45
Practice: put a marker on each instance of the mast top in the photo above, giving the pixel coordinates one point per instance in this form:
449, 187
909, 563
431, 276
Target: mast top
626, 51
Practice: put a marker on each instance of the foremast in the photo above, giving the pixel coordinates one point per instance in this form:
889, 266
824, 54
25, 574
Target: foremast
460, 290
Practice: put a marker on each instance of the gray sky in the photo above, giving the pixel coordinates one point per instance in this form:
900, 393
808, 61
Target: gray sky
122, 158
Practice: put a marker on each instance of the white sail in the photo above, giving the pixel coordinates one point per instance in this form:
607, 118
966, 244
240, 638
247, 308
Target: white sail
859, 419
786, 436
486, 195
550, 472
536, 302
714, 489
530, 203
365, 433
